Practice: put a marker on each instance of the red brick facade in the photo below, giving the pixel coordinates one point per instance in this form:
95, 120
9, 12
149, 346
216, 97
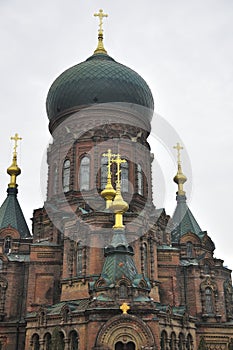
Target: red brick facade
53, 292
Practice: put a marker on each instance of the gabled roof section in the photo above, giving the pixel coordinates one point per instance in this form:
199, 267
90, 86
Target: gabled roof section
184, 221
11, 214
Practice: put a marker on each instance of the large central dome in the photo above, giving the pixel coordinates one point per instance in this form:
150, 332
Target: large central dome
99, 79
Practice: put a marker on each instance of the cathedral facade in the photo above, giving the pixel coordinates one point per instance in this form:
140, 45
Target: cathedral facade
103, 269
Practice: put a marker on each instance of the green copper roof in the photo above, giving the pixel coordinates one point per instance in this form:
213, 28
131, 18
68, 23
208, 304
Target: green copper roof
99, 79
117, 266
184, 220
119, 261
11, 214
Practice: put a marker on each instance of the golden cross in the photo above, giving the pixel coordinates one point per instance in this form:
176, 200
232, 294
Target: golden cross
16, 138
109, 155
101, 15
118, 162
178, 147
124, 308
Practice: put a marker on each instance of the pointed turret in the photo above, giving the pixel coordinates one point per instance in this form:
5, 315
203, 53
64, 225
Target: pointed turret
10, 212
183, 218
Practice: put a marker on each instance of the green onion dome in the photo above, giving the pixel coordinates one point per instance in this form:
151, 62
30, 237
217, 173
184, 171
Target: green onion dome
99, 79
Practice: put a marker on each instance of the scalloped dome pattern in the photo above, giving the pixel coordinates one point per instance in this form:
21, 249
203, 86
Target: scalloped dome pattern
99, 79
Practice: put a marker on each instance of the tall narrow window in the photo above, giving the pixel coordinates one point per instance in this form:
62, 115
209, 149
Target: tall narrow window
79, 259
84, 174
145, 259
139, 180
181, 342
47, 341
125, 177
73, 340
103, 172
123, 291
35, 342
189, 342
209, 306
189, 248
206, 269
173, 341
66, 175
55, 178
163, 341
58, 339
7, 245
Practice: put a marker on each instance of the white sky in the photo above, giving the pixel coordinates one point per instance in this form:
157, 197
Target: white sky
183, 49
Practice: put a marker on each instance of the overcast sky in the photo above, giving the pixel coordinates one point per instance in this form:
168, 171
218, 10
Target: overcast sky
183, 49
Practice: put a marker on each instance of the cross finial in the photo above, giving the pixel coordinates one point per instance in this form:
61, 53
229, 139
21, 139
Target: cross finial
16, 138
178, 147
101, 15
14, 170
124, 308
118, 162
119, 206
180, 178
109, 155
100, 48
108, 193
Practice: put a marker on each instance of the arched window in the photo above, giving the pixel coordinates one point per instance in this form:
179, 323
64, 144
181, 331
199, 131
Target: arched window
209, 305
62, 341
7, 245
173, 341
125, 177
47, 341
66, 175
73, 340
145, 259
181, 342
189, 247
189, 342
123, 291
103, 172
58, 340
163, 340
84, 174
79, 259
55, 178
206, 269
35, 342
139, 180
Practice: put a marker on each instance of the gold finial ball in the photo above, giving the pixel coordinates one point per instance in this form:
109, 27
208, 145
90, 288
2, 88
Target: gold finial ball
14, 170
108, 193
180, 178
119, 205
